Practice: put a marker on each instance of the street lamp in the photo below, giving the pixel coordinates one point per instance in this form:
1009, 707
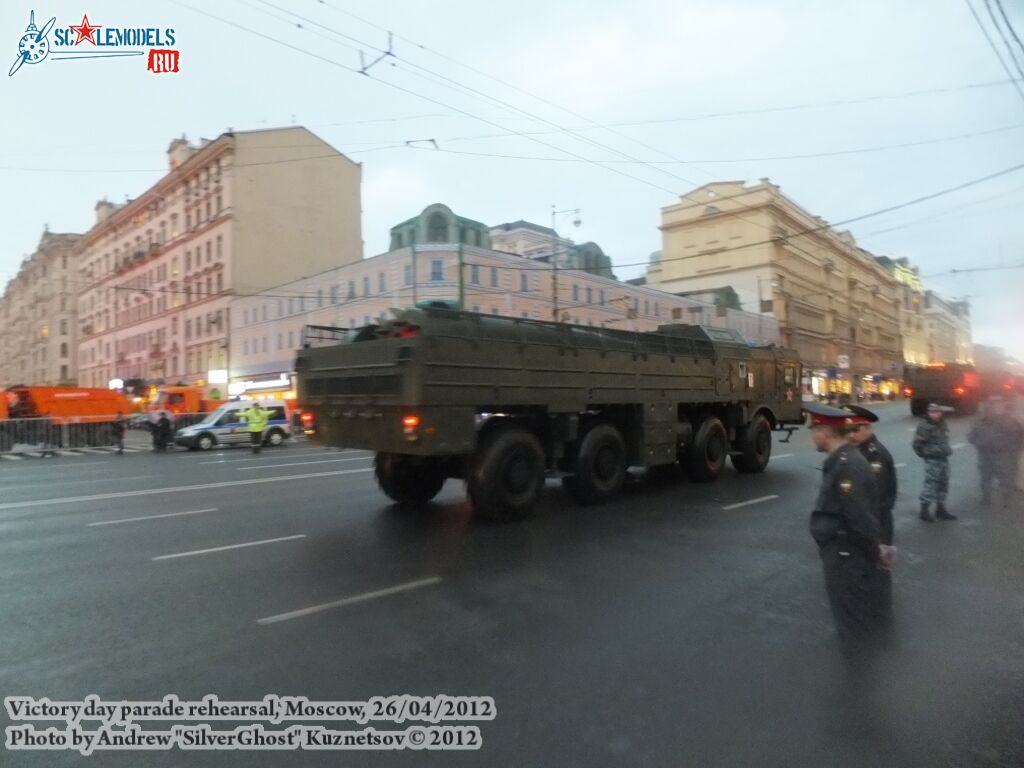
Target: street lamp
554, 253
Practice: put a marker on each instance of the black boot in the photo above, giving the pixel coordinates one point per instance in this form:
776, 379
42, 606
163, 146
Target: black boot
942, 513
926, 515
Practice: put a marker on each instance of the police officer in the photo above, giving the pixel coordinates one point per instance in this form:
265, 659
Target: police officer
845, 526
931, 443
860, 433
997, 436
257, 419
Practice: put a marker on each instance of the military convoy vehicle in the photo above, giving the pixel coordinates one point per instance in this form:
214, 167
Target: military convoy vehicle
503, 403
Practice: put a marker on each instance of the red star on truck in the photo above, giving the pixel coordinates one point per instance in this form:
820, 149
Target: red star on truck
85, 30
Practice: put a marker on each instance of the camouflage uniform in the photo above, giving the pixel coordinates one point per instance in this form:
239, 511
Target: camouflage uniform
998, 440
931, 443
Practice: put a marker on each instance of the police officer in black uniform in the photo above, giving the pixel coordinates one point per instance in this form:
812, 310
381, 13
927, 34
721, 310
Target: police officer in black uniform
845, 526
860, 434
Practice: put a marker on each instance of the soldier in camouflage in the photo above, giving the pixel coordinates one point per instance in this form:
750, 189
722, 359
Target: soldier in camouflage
931, 443
998, 437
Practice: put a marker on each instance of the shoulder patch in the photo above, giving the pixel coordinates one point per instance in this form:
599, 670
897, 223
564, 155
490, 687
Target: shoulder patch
877, 466
842, 458
845, 486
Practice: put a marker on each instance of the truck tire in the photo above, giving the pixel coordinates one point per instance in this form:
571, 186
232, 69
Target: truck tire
407, 480
918, 407
755, 445
507, 475
600, 465
706, 457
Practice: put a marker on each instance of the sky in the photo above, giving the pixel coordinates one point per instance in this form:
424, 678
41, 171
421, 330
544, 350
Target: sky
610, 108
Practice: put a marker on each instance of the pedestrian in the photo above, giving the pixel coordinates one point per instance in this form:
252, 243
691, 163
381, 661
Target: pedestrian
861, 434
997, 437
931, 443
154, 431
257, 419
845, 526
119, 429
163, 431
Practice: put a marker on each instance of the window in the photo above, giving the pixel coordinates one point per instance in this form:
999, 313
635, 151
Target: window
220, 246
382, 283
291, 340
319, 297
209, 251
280, 341
590, 295
677, 313
575, 293
494, 277
437, 228
63, 349
647, 307
263, 313
264, 343
474, 274
220, 282
436, 270
407, 274
523, 284
188, 260
245, 347
63, 327
351, 289
291, 306
366, 286
602, 297
767, 305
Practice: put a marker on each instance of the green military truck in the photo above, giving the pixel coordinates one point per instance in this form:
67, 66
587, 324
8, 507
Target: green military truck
503, 403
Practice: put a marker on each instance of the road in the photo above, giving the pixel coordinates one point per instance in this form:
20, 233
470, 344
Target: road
681, 625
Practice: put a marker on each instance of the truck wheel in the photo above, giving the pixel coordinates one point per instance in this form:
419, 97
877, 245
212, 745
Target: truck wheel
918, 407
408, 480
507, 476
756, 446
706, 457
600, 465
205, 442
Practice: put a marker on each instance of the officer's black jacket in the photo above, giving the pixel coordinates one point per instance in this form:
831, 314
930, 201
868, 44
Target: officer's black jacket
846, 512
884, 468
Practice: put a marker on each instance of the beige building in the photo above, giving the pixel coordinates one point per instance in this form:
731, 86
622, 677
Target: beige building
833, 302
232, 217
527, 239
948, 328
37, 312
268, 328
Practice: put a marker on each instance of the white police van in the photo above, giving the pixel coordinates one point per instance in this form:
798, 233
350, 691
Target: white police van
225, 426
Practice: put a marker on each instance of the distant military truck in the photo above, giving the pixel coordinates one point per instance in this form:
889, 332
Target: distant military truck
954, 384
502, 403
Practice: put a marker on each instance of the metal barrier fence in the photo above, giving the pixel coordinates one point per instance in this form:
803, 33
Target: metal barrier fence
47, 434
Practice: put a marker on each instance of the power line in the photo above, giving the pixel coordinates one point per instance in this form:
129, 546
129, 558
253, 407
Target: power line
1009, 26
1002, 36
804, 156
995, 50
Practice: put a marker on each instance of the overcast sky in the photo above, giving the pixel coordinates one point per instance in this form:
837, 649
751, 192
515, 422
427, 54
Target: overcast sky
663, 73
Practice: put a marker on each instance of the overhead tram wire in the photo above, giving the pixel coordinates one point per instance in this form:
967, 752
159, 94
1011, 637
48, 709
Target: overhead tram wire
418, 95
995, 50
1009, 26
1002, 36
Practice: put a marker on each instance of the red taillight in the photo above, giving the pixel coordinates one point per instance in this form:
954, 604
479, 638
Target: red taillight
307, 418
958, 390
410, 422
308, 423
908, 391
409, 331
1007, 386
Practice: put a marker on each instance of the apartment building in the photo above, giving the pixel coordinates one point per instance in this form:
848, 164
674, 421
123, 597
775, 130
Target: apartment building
37, 312
232, 217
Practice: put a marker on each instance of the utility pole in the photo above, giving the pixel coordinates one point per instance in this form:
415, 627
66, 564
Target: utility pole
554, 255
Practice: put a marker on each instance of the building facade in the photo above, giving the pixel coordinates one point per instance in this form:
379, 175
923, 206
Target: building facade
37, 312
948, 329
232, 217
268, 328
834, 303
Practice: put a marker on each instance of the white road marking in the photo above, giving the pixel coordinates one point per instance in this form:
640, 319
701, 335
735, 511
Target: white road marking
758, 500
179, 489
299, 464
350, 600
64, 467
289, 456
11, 457
230, 546
900, 465
781, 455
957, 446
152, 517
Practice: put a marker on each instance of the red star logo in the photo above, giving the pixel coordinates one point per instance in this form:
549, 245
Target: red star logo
85, 30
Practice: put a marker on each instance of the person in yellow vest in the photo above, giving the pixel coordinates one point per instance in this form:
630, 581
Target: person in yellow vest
257, 419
